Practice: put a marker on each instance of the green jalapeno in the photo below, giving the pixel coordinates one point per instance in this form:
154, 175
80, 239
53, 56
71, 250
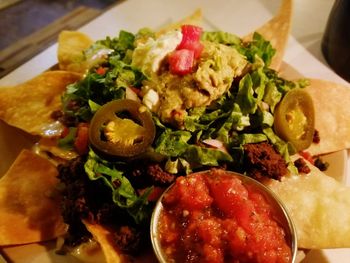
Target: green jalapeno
295, 119
122, 128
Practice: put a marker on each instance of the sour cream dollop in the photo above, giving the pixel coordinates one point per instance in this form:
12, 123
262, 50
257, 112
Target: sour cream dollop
148, 56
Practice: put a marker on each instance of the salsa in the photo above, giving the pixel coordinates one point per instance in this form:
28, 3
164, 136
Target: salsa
214, 217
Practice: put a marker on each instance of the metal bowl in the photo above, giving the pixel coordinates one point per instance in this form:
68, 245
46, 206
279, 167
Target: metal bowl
281, 216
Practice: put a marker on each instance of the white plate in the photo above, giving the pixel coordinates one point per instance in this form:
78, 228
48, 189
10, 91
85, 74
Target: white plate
240, 17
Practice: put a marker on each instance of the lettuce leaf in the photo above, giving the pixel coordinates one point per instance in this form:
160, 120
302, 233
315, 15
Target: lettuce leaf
205, 156
122, 191
176, 144
67, 142
245, 96
102, 88
221, 37
173, 143
258, 47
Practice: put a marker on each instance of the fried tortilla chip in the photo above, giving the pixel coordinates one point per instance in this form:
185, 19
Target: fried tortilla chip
193, 19
71, 45
29, 105
332, 116
29, 203
277, 31
104, 237
112, 254
319, 206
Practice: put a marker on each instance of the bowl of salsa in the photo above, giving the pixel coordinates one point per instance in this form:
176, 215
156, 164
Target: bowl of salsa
221, 216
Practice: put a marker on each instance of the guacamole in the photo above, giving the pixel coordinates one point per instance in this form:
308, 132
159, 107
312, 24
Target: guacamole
213, 75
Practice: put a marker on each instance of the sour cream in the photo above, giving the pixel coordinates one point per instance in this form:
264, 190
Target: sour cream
148, 56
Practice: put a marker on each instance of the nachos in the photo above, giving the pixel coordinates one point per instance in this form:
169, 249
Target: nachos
155, 105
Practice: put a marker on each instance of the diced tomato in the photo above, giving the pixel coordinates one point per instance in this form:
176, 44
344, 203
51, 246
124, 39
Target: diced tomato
81, 142
190, 39
156, 193
136, 90
181, 61
190, 34
64, 132
307, 156
101, 71
195, 46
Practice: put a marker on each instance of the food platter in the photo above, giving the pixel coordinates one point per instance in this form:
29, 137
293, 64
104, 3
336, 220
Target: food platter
123, 16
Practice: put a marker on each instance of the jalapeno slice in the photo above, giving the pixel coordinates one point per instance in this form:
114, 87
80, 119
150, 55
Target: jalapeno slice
122, 128
295, 119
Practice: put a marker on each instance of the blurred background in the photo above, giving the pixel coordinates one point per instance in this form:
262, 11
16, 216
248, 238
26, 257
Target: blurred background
30, 26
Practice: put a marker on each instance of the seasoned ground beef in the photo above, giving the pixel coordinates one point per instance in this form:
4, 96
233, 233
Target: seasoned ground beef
127, 238
262, 160
73, 201
316, 137
158, 176
92, 200
320, 164
146, 174
301, 165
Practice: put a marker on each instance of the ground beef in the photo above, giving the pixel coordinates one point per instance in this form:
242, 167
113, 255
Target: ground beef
73, 201
92, 200
127, 239
262, 160
158, 176
320, 164
301, 165
147, 174
316, 137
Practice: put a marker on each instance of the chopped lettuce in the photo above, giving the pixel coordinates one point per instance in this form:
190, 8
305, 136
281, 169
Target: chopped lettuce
172, 143
245, 96
114, 55
221, 37
176, 144
67, 142
244, 114
258, 47
205, 156
123, 193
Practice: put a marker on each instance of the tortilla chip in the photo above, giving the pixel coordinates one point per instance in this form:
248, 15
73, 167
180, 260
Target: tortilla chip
28, 106
29, 204
193, 19
104, 238
276, 31
71, 45
332, 116
319, 206
112, 254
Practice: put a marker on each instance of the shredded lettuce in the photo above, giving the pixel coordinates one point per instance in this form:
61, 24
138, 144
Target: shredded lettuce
114, 54
176, 144
123, 193
221, 37
205, 156
258, 47
67, 142
244, 114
